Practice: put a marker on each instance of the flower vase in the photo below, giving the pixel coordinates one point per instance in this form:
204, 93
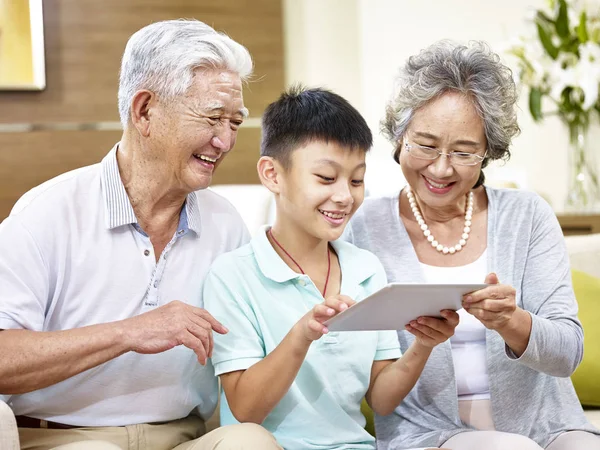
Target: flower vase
584, 188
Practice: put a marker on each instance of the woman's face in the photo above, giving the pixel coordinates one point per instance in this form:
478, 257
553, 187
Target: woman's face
449, 123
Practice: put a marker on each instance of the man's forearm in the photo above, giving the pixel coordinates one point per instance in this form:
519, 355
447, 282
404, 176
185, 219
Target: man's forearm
395, 381
261, 387
31, 360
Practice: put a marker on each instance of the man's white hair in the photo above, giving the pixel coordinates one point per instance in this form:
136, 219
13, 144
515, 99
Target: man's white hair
163, 57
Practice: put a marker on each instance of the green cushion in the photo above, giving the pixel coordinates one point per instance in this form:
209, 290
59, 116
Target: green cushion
368, 413
585, 378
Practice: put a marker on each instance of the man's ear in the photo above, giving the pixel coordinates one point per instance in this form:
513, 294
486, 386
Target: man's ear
269, 172
141, 110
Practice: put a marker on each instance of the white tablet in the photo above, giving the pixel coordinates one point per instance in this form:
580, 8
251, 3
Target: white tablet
395, 305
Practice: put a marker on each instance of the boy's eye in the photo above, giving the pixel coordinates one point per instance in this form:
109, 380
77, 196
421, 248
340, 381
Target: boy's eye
357, 182
324, 178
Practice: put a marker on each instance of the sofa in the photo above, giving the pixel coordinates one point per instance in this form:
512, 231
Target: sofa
255, 204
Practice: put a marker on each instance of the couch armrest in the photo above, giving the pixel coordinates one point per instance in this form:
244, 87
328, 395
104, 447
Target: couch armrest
9, 434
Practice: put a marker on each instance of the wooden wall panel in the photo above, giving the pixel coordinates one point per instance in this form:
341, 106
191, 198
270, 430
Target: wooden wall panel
59, 152
84, 43
85, 40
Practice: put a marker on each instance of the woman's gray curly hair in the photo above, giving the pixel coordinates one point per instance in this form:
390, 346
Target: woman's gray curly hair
472, 69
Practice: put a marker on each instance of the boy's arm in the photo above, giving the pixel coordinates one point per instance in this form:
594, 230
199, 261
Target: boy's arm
253, 393
391, 381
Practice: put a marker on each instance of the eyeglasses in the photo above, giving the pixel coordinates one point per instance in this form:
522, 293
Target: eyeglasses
430, 153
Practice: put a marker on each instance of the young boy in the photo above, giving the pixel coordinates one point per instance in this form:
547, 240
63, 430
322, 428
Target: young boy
279, 366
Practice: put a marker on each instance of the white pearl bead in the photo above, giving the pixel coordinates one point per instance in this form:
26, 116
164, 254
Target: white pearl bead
427, 232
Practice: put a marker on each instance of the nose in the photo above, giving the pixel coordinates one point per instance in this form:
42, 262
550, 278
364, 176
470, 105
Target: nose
342, 195
223, 140
441, 167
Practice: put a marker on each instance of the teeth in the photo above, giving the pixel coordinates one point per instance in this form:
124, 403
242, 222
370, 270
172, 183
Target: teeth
206, 158
333, 216
437, 185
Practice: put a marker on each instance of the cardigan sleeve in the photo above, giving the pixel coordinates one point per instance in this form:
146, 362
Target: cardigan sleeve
555, 344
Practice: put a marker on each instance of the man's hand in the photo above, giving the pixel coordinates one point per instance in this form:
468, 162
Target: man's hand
430, 331
173, 324
311, 325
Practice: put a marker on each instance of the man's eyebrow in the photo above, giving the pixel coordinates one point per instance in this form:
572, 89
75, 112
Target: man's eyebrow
217, 107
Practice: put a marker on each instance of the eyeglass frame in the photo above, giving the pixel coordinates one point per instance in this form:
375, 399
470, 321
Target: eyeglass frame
479, 158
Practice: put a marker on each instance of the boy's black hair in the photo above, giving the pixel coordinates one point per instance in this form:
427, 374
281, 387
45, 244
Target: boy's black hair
303, 115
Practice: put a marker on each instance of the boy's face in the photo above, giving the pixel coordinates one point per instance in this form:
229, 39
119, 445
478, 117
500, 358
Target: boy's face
322, 188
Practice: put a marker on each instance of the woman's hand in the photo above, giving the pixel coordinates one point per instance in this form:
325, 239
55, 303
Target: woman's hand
430, 331
494, 306
311, 325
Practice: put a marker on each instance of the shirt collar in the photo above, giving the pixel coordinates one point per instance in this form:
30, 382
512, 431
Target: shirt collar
117, 205
354, 269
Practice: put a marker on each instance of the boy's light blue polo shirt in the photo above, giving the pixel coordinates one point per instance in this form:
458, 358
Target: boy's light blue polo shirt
259, 298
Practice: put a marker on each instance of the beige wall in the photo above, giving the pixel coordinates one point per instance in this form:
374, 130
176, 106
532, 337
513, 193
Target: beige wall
84, 43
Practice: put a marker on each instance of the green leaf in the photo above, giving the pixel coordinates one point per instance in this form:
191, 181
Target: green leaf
535, 104
547, 42
581, 29
542, 17
562, 21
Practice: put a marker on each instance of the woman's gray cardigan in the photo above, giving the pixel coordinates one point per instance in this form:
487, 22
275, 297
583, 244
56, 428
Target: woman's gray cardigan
531, 395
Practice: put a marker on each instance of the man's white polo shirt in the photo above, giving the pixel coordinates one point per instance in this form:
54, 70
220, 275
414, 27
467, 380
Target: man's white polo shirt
72, 255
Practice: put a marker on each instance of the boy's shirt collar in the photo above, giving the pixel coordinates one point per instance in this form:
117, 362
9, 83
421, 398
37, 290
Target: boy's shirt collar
353, 267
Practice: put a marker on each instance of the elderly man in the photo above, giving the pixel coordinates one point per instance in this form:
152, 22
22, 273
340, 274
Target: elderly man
104, 342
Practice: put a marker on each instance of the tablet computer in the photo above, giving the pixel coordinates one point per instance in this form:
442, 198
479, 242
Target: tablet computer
395, 305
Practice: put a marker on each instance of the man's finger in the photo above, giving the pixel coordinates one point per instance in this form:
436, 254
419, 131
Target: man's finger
201, 334
214, 323
191, 342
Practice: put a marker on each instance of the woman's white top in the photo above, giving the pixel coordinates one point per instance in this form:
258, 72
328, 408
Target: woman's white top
468, 342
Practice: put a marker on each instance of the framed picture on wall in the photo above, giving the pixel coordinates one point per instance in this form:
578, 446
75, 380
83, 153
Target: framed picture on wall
22, 45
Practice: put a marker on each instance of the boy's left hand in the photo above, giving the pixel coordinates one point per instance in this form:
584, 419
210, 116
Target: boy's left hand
431, 331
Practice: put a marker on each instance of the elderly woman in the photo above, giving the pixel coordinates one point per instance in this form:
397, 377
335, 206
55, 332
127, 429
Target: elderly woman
502, 381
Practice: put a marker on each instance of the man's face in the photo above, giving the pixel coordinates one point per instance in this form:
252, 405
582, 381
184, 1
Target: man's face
193, 133
322, 188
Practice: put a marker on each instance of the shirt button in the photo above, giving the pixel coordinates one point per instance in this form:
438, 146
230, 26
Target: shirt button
180, 232
146, 252
156, 284
301, 282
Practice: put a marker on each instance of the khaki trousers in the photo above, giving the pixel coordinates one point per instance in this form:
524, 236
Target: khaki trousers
183, 434
478, 414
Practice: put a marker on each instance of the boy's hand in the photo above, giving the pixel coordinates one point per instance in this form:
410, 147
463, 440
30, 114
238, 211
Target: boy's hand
431, 331
311, 325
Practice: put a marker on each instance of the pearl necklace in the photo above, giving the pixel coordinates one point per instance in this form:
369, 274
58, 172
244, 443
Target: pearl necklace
427, 233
